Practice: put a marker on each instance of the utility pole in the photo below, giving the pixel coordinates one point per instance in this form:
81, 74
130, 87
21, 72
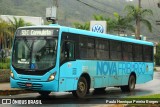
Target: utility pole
138, 22
56, 5
51, 12
158, 4
158, 21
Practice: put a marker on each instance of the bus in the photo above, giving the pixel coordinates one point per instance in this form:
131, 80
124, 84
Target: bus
56, 58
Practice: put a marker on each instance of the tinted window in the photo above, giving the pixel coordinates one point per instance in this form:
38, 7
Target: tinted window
102, 49
83, 47
91, 48
148, 53
115, 50
138, 53
127, 51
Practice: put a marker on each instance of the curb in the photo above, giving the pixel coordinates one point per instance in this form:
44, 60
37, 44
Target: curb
14, 92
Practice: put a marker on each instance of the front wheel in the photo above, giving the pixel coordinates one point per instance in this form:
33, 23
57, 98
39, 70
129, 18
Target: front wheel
82, 88
131, 84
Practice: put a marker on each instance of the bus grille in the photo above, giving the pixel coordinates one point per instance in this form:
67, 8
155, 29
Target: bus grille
33, 87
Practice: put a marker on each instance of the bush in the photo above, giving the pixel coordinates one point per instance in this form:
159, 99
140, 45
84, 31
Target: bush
157, 55
5, 63
157, 59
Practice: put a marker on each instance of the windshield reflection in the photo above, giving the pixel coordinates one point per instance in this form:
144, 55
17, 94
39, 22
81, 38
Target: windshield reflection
34, 53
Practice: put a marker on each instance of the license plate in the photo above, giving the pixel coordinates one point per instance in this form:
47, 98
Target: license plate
28, 85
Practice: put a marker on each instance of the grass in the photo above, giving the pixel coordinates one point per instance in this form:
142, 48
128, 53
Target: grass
152, 98
147, 96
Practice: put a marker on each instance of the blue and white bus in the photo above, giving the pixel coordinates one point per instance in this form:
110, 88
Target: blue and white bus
56, 59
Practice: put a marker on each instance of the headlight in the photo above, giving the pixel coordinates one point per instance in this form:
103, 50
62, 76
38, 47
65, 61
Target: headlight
52, 77
11, 74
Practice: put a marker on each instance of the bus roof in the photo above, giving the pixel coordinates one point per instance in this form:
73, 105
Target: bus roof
93, 34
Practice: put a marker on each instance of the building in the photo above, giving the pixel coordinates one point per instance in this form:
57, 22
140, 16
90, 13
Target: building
30, 19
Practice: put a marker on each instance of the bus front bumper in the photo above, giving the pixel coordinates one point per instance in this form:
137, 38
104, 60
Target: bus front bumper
37, 86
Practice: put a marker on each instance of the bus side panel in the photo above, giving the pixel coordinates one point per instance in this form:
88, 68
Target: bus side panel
68, 76
96, 70
71, 71
144, 78
143, 71
146, 75
103, 73
110, 71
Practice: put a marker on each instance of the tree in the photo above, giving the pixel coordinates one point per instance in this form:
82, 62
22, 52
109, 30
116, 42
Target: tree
16, 23
117, 23
84, 26
4, 33
121, 24
110, 23
138, 14
157, 55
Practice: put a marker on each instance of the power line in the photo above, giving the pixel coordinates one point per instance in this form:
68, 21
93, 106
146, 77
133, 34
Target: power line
157, 21
107, 5
151, 18
156, 9
95, 7
87, 4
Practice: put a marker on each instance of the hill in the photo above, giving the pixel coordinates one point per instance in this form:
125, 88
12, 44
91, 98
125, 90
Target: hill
70, 11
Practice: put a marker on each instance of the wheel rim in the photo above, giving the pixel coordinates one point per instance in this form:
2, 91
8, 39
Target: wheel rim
81, 87
132, 83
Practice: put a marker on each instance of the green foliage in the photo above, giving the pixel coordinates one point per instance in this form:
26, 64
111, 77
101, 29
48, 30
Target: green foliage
117, 23
18, 22
157, 55
110, 22
4, 33
5, 63
73, 11
136, 14
122, 23
7, 30
82, 26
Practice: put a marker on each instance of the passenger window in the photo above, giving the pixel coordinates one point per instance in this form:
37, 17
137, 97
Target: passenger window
70, 50
67, 51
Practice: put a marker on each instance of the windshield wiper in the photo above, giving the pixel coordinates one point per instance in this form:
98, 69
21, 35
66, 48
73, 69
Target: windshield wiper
27, 44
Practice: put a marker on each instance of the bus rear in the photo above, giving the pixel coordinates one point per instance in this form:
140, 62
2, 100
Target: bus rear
34, 58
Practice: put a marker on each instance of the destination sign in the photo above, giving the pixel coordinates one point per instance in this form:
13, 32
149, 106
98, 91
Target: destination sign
37, 32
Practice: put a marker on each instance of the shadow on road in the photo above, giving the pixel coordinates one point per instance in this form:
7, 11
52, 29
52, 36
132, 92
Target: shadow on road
92, 98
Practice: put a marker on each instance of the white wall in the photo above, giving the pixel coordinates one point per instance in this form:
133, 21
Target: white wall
30, 19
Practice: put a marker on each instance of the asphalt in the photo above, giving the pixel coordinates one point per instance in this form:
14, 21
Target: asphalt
5, 89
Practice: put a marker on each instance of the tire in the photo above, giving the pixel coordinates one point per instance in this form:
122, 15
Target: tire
131, 84
44, 93
82, 88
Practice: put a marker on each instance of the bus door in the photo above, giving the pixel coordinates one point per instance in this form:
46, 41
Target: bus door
68, 66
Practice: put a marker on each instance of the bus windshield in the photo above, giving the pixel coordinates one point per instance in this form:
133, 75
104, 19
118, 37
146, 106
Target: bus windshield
34, 53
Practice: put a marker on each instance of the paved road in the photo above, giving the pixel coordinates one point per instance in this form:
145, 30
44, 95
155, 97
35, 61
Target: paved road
152, 87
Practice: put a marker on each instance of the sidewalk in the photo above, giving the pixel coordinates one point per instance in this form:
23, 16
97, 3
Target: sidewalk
5, 89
